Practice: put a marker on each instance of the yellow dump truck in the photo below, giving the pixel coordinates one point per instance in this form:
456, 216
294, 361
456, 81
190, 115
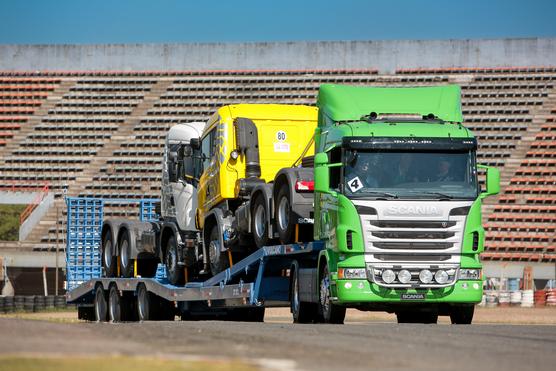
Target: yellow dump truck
256, 179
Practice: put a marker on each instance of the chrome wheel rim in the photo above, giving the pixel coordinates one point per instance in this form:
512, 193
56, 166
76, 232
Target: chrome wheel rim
324, 298
295, 296
113, 310
108, 253
124, 253
100, 307
260, 221
283, 213
142, 303
214, 252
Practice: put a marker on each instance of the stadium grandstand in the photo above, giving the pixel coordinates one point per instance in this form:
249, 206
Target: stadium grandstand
94, 126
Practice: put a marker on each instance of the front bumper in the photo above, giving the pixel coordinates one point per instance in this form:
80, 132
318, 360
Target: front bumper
356, 292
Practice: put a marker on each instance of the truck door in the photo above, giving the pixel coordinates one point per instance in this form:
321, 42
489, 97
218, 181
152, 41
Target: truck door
208, 183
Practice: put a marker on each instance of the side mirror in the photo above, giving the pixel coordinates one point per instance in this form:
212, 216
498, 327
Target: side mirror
492, 181
322, 175
195, 143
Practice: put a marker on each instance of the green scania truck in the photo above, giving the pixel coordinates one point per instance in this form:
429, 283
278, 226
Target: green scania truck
397, 204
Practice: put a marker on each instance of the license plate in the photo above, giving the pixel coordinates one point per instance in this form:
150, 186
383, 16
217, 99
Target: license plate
413, 296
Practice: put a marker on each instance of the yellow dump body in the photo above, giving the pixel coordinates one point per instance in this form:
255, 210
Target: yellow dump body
284, 131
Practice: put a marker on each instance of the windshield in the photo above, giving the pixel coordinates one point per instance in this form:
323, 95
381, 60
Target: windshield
398, 174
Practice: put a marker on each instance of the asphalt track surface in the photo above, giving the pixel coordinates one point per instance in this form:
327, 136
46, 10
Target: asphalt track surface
286, 346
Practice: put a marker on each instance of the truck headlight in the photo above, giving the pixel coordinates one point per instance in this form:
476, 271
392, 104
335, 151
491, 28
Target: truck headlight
352, 273
404, 276
441, 276
469, 274
388, 276
425, 276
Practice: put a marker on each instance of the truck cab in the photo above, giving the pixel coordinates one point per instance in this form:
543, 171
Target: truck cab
251, 154
398, 203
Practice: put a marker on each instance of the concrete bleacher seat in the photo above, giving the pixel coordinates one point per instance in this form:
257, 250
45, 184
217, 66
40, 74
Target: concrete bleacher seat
499, 106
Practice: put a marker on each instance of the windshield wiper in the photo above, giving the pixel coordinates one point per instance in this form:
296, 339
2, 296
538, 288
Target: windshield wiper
441, 195
377, 193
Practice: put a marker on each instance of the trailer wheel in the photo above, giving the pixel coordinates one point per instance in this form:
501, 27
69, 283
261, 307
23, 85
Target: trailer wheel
462, 314
114, 305
146, 304
108, 258
302, 312
328, 311
126, 263
101, 308
259, 222
283, 216
218, 259
174, 271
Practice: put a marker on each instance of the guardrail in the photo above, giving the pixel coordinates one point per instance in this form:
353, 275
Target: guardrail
43, 192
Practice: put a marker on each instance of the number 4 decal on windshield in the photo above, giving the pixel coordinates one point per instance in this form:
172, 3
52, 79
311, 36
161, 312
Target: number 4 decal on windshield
355, 184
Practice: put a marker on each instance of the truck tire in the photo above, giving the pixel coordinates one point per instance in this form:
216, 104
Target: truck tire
100, 305
108, 258
462, 314
174, 271
218, 259
146, 304
126, 263
259, 222
328, 311
283, 216
114, 305
302, 312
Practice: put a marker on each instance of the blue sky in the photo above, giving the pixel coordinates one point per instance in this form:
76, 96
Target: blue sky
157, 21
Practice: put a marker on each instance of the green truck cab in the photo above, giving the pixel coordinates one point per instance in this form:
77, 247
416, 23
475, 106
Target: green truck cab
398, 203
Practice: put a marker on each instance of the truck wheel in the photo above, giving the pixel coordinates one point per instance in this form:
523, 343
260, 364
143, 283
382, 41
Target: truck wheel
174, 271
101, 308
283, 216
146, 304
126, 263
328, 311
108, 258
462, 314
218, 259
259, 222
114, 305
302, 312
